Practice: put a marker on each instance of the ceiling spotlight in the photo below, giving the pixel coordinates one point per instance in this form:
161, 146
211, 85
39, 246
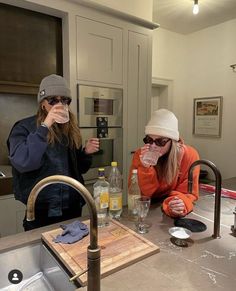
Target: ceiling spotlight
195, 7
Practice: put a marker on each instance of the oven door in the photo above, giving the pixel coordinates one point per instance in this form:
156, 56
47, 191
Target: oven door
110, 150
95, 102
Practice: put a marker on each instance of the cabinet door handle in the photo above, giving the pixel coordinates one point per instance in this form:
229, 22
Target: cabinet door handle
132, 152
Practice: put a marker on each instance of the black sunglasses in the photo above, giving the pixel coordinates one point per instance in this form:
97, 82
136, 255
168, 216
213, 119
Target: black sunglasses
161, 142
55, 100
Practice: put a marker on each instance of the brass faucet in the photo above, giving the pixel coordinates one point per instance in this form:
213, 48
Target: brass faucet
93, 251
216, 233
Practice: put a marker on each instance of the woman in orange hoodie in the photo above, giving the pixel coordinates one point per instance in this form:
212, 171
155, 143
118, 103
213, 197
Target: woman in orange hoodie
168, 179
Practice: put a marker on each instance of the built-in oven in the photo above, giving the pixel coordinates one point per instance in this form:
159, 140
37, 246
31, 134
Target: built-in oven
100, 115
99, 103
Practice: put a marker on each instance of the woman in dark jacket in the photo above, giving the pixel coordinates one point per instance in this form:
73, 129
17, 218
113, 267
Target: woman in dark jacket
40, 147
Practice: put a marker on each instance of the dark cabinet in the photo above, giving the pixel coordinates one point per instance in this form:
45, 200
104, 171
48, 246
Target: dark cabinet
30, 48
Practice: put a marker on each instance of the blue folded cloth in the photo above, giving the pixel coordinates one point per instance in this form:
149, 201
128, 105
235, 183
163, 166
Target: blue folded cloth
72, 232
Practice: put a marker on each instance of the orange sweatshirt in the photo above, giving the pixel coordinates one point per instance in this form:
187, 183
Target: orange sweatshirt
151, 186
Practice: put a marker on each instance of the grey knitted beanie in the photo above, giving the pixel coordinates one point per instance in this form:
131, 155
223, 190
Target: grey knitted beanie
53, 85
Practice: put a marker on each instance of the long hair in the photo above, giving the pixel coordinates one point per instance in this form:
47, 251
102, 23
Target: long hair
57, 132
168, 165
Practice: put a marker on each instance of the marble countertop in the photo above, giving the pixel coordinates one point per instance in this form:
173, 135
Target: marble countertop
229, 183
206, 263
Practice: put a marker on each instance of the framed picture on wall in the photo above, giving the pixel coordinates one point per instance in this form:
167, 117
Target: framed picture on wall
207, 116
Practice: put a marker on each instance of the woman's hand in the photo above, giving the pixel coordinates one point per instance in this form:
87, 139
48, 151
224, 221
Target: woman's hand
92, 146
55, 113
177, 206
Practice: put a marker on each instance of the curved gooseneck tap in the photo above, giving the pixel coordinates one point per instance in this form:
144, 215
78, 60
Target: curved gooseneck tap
216, 233
93, 251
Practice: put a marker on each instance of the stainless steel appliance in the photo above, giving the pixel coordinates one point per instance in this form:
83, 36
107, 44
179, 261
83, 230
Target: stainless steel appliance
100, 115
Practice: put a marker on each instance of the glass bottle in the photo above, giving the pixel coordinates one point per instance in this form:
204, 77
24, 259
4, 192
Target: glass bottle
101, 198
133, 193
115, 193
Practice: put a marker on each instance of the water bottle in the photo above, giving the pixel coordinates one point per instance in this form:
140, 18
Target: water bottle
101, 198
133, 193
115, 193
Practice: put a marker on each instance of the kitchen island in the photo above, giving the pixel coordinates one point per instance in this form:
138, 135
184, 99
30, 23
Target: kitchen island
206, 263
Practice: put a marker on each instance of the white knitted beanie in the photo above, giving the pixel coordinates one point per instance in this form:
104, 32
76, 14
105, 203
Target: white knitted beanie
164, 123
53, 85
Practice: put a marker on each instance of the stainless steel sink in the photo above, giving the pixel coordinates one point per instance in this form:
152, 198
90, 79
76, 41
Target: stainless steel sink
40, 270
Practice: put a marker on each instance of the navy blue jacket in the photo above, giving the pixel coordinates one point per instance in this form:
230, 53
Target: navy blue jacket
33, 159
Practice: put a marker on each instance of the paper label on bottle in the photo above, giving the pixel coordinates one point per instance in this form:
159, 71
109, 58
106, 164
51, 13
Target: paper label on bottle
131, 203
115, 203
104, 200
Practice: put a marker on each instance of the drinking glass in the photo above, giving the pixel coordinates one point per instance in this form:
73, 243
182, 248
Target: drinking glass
64, 115
151, 157
142, 205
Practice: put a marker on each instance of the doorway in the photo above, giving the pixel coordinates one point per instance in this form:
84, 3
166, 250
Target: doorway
161, 94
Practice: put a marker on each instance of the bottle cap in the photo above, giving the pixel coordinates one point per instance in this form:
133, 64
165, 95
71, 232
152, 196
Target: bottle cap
101, 172
114, 164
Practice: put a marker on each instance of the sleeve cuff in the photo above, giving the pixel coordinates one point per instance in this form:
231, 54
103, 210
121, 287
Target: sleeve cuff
43, 130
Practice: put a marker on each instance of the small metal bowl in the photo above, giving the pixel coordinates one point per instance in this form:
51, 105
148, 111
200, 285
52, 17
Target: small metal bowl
180, 234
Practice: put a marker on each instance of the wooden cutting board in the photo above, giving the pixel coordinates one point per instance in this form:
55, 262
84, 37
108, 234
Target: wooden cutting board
120, 247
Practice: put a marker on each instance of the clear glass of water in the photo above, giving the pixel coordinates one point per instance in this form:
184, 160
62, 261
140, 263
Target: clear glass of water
64, 116
151, 157
142, 205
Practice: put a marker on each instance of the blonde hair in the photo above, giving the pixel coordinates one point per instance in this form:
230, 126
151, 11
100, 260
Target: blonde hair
69, 130
168, 165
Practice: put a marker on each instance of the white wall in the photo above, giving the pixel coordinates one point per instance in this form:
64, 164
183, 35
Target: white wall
199, 65
169, 62
213, 50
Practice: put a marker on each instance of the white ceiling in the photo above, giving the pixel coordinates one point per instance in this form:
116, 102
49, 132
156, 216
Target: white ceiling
177, 16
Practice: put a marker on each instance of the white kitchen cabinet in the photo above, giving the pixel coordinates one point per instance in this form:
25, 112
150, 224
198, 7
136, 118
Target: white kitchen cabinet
99, 51
12, 213
117, 52
138, 88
